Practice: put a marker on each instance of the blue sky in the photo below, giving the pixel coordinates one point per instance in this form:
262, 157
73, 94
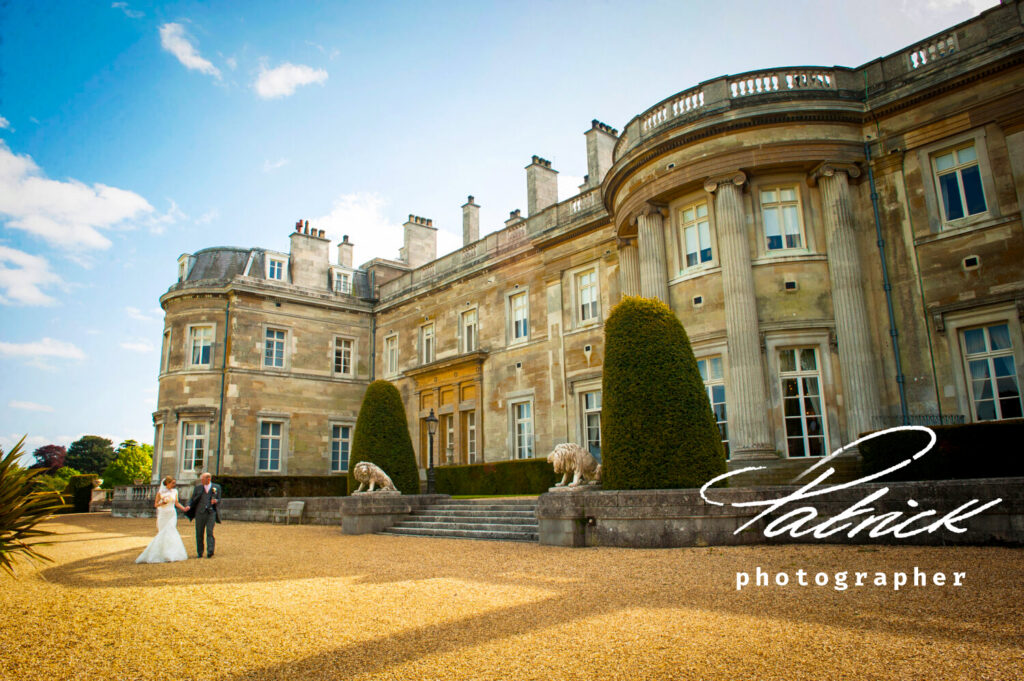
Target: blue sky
133, 132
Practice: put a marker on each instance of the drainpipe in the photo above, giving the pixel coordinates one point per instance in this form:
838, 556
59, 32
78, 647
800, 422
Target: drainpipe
223, 376
373, 344
893, 333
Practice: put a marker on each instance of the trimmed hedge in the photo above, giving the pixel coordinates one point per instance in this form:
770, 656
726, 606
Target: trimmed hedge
248, 487
78, 493
657, 426
975, 450
382, 438
523, 476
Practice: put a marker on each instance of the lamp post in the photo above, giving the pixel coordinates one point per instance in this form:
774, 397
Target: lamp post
431, 429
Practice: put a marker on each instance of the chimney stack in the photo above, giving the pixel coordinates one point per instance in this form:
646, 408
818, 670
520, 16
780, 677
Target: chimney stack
601, 141
514, 217
420, 241
470, 222
345, 252
541, 185
310, 253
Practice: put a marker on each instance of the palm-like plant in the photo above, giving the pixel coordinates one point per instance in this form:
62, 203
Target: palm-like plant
22, 508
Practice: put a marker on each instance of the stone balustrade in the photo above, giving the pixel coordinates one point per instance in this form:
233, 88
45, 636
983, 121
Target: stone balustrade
931, 51
781, 80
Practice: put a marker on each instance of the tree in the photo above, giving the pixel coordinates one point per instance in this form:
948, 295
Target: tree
22, 508
50, 456
133, 462
55, 479
382, 437
90, 454
657, 423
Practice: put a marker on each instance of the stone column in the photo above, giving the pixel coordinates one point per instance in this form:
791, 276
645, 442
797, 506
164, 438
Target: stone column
750, 431
629, 268
651, 235
856, 359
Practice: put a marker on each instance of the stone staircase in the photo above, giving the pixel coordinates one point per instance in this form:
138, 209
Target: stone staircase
496, 519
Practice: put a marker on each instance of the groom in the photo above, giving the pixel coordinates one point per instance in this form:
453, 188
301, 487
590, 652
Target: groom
203, 508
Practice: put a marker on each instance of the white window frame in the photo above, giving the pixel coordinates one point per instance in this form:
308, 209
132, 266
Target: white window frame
685, 225
279, 260
267, 330
585, 414
472, 446
800, 375
188, 464
956, 323
586, 297
342, 281
957, 170
780, 204
340, 441
512, 308
926, 156
391, 356
190, 345
428, 343
282, 440
523, 435
183, 267
469, 331
988, 356
351, 356
710, 383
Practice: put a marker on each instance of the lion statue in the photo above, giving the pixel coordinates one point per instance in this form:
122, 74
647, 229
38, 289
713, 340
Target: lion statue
367, 473
571, 459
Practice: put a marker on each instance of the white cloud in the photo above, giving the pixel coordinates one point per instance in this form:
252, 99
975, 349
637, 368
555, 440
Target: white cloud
69, 213
137, 345
4, 123
269, 165
568, 186
130, 13
208, 217
282, 81
29, 406
159, 223
47, 347
23, 277
154, 315
174, 39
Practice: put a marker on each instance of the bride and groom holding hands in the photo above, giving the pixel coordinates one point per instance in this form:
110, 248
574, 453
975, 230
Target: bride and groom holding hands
167, 546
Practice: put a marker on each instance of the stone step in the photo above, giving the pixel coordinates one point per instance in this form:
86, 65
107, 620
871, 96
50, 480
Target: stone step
514, 501
489, 507
433, 518
463, 534
475, 514
483, 527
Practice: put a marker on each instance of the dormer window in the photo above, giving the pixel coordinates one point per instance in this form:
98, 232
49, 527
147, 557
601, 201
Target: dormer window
342, 282
183, 267
275, 268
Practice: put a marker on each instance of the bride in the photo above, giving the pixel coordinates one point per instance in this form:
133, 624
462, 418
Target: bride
166, 546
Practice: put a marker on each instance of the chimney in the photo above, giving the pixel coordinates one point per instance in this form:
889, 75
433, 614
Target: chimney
345, 252
514, 217
420, 241
470, 222
601, 141
309, 256
541, 185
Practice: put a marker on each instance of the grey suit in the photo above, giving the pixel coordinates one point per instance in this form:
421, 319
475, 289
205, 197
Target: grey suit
206, 515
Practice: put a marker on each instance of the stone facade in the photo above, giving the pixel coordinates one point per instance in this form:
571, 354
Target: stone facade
754, 205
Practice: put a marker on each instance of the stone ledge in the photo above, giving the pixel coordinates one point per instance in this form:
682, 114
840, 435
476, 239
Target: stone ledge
368, 513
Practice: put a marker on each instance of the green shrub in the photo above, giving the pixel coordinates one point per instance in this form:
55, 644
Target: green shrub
524, 476
78, 493
657, 424
55, 480
235, 487
382, 437
973, 450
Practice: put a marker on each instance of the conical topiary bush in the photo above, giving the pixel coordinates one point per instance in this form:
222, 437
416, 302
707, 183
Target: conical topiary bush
656, 422
382, 437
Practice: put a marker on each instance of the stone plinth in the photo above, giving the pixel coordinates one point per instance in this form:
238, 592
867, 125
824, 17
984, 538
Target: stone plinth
373, 512
672, 518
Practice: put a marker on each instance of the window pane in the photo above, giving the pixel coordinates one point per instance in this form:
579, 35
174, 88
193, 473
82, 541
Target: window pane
768, 196
1011, 408
982, 389
716, 367
811, 407
810, 386
951, 197
986, 410
944, 162
979, 368
808, 360
1003, 366
787, 360
999, 336
702, 367
974, 339
816, 446
795, 446
702, 210
966, 155
792, 406
1007, 387
718, 394
772, 228
971, 177
790, 387
688, 215
788, 194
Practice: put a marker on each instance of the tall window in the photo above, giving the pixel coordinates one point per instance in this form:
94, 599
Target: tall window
342, 282
275, 269
469, 437
586, 295
193, 435
201, 342
270, 446
802, 402
519, 313
592, 422
714, 382
427, 343
165, 354
992, 373
343, 356
273, 355
341, 441
469, 331
959, 179
780, 210
448, 433
696, 235
522, 428
391, 355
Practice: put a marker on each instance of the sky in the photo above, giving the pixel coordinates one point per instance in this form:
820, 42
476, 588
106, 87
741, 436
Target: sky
133, 132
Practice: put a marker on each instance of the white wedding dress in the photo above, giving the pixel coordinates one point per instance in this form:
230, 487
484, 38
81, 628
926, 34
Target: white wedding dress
166, 546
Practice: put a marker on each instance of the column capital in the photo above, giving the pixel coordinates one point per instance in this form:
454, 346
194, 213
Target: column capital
624, 242
830, 168
652, 208
738, 178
